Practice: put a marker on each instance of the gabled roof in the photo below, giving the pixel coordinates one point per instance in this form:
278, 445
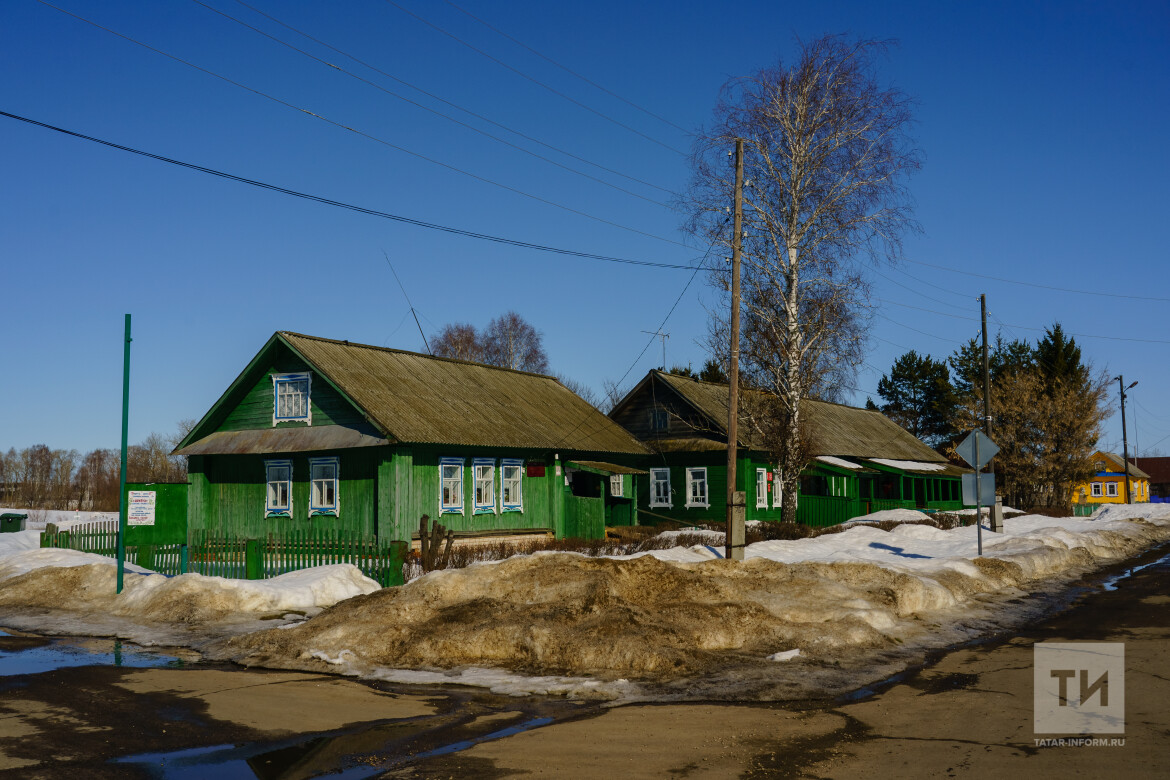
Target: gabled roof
1115, 464
421, 399
833, 429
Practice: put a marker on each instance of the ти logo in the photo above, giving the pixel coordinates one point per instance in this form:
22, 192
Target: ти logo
1078, 688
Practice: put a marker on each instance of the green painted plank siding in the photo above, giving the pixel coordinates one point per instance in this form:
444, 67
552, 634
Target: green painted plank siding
254, 409
227, 493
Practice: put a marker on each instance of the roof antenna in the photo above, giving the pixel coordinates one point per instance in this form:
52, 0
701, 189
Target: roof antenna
408, 303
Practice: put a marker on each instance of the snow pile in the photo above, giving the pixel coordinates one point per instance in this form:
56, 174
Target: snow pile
705, 534
892, 516
686, 614
85, 583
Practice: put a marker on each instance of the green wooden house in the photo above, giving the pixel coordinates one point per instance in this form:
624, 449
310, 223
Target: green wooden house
863, 461
322, 434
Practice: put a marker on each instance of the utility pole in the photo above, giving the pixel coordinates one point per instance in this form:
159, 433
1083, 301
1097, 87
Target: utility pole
122, 468
1124, 440
664, 337
995, 511
735, 498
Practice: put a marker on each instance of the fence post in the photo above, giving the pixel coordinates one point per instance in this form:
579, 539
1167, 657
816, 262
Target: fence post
395, 559
253, 560
182, 559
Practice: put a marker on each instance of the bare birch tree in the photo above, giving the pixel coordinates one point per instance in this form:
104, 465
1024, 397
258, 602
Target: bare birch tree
827, 152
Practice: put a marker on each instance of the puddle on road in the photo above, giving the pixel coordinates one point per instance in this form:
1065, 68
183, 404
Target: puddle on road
35, 655
355, 755
1113, 582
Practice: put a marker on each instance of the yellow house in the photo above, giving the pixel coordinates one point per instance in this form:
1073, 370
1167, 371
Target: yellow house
1106, 486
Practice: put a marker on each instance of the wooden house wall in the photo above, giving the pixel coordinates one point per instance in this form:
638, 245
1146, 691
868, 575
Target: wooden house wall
682, 420
227, 493
412, 489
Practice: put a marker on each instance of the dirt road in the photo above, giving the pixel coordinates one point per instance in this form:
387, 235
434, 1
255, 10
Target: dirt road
967, 713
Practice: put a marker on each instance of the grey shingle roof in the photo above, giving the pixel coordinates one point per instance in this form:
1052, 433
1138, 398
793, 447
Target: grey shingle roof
423, 399
833, 429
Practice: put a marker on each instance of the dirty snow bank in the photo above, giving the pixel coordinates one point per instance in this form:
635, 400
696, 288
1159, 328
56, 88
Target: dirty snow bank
36, 585
696, 625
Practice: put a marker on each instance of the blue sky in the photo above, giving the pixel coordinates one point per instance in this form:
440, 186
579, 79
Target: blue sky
1042, 127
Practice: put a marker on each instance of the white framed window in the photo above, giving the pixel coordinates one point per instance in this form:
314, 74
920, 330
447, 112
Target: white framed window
1095, 488
697, 488
450, 485
615, 485
659, 487
777, 489
761, 488
485, 485
1111, 489
323, 498
278, 501
512, 485
290, 398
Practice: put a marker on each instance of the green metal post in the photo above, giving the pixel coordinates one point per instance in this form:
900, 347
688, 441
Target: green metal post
122, 468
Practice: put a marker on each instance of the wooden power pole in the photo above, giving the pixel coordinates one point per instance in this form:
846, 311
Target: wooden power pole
735, 498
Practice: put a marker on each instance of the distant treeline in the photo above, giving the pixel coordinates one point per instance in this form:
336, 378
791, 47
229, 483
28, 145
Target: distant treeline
38, 477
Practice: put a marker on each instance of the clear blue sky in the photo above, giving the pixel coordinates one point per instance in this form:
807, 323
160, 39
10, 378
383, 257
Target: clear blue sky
1043, 127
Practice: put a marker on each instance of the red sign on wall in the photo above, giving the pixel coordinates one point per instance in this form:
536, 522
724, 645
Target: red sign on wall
535, 469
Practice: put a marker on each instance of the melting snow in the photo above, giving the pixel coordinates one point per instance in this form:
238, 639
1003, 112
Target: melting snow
910, 465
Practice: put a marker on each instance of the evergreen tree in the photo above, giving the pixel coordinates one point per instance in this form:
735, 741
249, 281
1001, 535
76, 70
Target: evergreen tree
713, 372
919, 397
1059, 358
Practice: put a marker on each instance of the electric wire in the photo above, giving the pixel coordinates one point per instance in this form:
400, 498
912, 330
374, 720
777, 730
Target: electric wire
539, 83
416, 104
650, 342
456, 106
363, 134
1041, 286
358, 209
568, 70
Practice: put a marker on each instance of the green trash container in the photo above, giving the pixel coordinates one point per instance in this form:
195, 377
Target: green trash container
11, 522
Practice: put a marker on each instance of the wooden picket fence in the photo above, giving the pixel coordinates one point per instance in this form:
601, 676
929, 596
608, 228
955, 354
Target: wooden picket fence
217, 554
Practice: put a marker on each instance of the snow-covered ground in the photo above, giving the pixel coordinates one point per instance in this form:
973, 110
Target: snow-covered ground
39, 518
838, 609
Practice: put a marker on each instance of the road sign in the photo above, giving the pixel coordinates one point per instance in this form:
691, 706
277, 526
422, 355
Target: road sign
986, 495
977, 442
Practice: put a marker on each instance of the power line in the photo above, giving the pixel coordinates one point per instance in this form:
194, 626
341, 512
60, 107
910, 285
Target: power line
374, 138
1040, 286
539, 83
568, 70
358, 209
416, 104
456, 106
649, 343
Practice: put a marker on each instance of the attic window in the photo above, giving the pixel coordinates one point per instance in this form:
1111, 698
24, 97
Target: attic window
659, 420
291, 398
1100, 465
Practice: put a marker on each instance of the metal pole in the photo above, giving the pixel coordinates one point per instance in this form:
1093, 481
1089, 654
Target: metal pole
122, 468
978, 499
1124, 440
735, 509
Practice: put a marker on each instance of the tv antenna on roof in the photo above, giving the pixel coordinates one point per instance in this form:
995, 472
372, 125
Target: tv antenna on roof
664, 337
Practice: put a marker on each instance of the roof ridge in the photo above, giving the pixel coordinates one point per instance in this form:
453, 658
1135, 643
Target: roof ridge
728, 385
347, 343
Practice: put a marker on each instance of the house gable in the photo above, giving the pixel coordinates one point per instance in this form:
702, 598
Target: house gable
248, 403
